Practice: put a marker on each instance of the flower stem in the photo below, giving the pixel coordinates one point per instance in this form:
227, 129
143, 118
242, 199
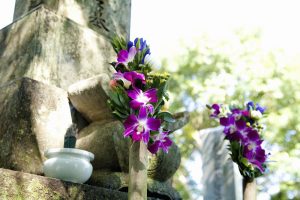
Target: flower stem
249, 189
138, 163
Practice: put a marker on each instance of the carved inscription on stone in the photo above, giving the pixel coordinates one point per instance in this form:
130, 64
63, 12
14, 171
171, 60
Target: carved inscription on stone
97, 18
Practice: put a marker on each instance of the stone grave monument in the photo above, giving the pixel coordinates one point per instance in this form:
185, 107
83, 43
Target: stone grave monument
54, 72
221, 177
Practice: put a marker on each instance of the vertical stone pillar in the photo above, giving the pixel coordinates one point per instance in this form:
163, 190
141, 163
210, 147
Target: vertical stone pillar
107, 17
59, 42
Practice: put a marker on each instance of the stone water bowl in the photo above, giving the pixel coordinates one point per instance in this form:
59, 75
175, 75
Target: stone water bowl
68, 164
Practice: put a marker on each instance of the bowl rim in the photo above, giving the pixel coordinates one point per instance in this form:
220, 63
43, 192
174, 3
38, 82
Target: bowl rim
52, 151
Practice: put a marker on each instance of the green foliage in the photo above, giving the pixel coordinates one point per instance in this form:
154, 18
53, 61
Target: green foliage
239, 70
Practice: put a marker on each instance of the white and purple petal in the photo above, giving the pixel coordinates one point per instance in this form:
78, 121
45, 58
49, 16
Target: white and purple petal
152, 95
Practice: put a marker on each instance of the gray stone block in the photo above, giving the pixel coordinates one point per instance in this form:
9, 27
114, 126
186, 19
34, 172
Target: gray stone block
53, 50
108, 17
18, 185
33, 117
98, 139
89, 97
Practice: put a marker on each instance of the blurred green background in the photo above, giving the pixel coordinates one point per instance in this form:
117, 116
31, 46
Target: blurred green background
238, 71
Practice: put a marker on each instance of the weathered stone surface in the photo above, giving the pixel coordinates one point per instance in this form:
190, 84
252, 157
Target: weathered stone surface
53, 50
18, 185
89, 97
122, 145
108, 17
33, 117
164, 165
98, 139
119, 181
221, 178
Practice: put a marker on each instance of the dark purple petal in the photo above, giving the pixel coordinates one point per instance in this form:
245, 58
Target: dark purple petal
253, 135
133, 94
215, 110
240, 124
260, 155
128, 131
150, 108
167, 142
153, 124
143, 114
226, 121
122, 56
135, 104
137, 136
245, 113
133, 76
152, 95
130, 121
154, 147
257, 164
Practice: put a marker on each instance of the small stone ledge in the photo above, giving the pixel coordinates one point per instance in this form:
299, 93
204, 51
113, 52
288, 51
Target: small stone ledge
19, 185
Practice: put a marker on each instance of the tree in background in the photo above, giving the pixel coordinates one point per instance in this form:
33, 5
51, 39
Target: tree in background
240, 69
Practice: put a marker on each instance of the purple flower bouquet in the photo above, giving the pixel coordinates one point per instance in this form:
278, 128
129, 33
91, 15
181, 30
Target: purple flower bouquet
137, 95
243, 130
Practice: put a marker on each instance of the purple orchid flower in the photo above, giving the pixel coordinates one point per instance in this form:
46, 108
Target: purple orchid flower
160, 141
129, 78
215, 110
124, 57
141, 99
230, 129
139, 127
255, 155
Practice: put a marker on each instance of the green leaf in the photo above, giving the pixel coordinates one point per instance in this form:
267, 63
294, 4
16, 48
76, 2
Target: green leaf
166, 116
120, 115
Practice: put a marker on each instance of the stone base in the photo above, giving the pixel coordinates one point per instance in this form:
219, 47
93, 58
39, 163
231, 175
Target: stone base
18, 185
119, 181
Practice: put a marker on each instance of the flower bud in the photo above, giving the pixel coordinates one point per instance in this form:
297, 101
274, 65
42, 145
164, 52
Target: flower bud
255, 114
